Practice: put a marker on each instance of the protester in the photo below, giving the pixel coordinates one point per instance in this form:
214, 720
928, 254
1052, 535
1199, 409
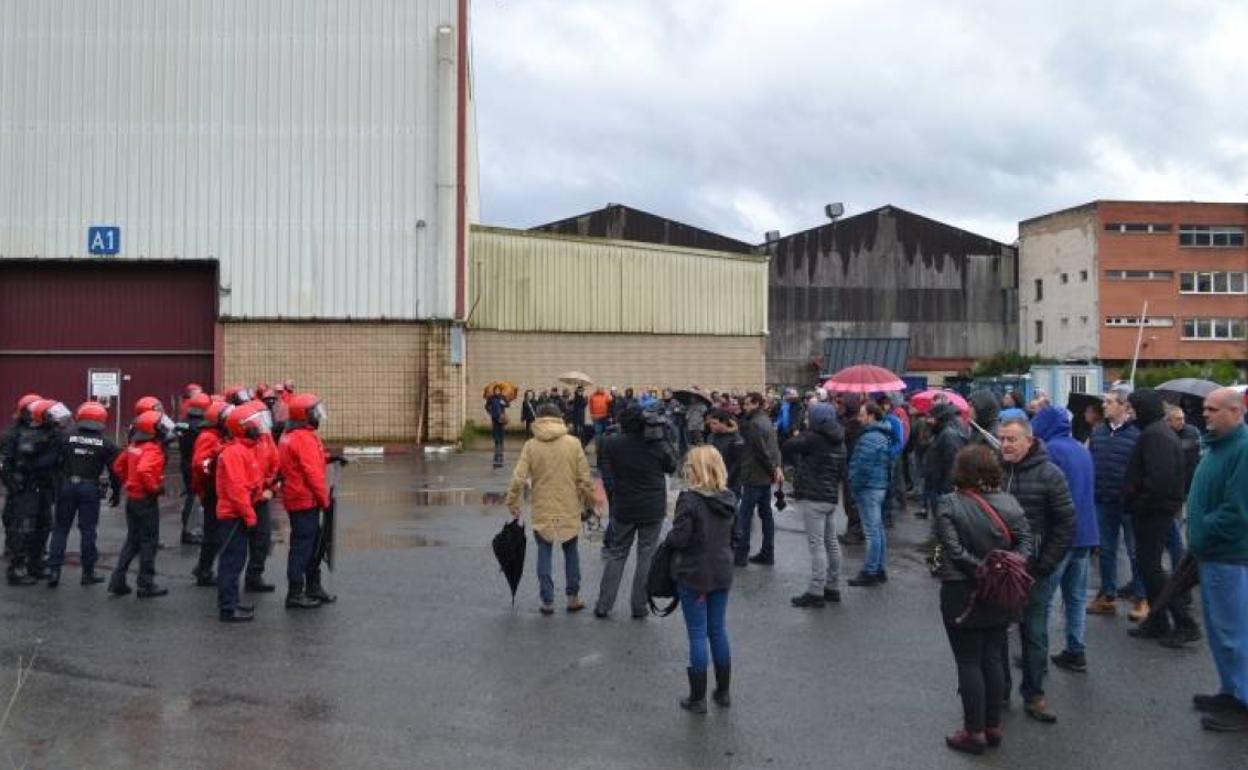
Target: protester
870, 469
1189, 437
818, 456
939, 457
1217, 512
701, 538
528, 412
789, 414
638, 468
1052, 426
1153, 489
695, 420
760, 468
600, 411
496, 407
967, 534
726, 438
986, 414
1111, 445
561, 490
849, 409
899, 425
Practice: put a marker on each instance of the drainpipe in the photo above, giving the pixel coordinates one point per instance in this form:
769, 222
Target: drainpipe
447, 218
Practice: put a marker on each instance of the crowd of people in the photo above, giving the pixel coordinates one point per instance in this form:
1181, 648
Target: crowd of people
996, 476
236, 453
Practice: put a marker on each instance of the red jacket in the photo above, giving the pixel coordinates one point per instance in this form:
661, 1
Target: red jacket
141, 469
303, 458
208, 444
240, 481
266, 453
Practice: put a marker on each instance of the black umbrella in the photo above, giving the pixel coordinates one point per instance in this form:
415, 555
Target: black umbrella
1077, 404
1189, 386
687, 397
509, 546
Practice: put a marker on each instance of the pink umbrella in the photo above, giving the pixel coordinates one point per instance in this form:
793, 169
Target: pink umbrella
924, 401
864, 378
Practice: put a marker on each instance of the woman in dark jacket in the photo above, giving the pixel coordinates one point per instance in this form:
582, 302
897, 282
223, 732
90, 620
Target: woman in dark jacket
967, 533
528, 412
818, 455
701, 538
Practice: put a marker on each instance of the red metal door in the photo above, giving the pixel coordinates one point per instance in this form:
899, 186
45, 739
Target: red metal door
152, 321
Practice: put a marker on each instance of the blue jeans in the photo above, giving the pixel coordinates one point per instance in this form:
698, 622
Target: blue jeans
571, 568
704, 620
871, 513
1035, 632
755, 496
600, 427
1224, 594
1111, 518
1075, 598
81, 501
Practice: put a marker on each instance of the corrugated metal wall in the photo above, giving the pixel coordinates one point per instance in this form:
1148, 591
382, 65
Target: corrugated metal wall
525, 281
294, 141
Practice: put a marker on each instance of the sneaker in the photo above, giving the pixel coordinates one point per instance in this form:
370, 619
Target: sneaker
548, 609
1181, 636
831, 595
882, 576
1216, 704
763, 559
1103, 604
152, 592
1227, 721
575, 604
807, 601
1071, 662
1139, 611
239, 615
864, 580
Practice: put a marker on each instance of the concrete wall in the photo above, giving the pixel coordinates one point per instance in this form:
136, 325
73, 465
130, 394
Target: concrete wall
536, 359
383, 382
1062, 244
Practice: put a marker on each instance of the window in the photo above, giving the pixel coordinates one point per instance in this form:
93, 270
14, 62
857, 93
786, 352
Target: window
1134, 321
1211, 236
1083, 276
1136, 227
1078, 383
1065, 278
1039, 332
1039, 290
1212, 283
1213, 328
1138, 275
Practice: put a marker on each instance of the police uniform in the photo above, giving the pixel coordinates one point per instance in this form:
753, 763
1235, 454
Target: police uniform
240, 485
142, 471
208, 446
34, 465
85, 454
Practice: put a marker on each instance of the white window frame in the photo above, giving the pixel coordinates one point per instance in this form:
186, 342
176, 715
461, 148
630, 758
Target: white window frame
1219, 329
1211, 279
1212, 233
1133, 322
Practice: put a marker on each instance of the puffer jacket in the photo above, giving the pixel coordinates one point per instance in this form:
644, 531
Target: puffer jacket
762, 452
1111, 450
818, 455
1041, 490
1053, 426
1155, 480
701, 536
987, 414
966, 534
638, 470
562, 486
870, 466
949, 440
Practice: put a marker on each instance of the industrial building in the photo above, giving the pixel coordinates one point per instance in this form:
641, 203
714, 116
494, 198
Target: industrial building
1087, 273
229, 191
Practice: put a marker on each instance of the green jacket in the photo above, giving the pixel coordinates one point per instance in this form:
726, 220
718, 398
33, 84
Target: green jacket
1217, 508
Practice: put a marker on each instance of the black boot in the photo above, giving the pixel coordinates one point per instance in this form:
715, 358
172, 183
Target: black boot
18, 578
723, 680
54, 577
296, 599
318, 592
204, 577
696, 702
89, 578
117, 585
255, 584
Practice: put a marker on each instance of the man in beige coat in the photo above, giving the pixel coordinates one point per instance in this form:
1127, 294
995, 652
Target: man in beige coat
555, 463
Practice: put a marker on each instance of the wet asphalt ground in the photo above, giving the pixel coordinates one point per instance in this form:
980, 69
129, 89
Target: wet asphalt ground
424, 662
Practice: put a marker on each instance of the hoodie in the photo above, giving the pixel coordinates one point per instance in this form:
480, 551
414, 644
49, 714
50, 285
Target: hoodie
1155, 480
1053, 426
818, 456
987, 414
701, 537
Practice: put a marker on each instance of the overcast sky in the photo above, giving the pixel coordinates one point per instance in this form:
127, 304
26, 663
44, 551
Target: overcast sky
743, 116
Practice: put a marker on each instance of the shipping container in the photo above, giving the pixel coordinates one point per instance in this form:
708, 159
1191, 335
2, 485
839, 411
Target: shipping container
307, 146
538, 282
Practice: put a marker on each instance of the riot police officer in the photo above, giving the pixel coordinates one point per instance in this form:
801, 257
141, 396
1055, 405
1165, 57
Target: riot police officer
8, 455
240, 485
208, 445
142, 471
192, 414
305, 494
85, 453
34, 464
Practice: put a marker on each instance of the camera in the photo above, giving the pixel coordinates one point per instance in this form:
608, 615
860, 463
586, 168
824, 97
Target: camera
658, 426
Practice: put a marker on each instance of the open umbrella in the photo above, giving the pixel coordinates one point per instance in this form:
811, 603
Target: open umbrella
509, 545
1189, 386
575, 378
687, 397
864, 378
510, 391
924, 400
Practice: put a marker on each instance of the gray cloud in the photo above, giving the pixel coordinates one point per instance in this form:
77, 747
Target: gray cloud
743, 116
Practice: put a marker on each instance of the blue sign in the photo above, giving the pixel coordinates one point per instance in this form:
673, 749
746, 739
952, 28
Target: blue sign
104, 241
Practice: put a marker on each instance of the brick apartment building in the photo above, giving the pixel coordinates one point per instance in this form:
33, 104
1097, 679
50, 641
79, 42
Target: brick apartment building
1085, 274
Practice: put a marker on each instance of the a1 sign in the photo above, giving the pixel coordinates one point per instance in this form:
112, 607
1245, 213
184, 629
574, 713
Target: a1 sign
104, 241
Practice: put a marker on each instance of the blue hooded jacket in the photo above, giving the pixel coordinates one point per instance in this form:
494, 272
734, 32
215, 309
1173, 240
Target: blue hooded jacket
1052, 425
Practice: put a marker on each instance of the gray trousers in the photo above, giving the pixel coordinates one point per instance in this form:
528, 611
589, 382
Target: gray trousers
622, 535
825, 549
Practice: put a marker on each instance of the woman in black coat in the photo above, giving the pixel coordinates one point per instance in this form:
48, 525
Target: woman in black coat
528, 412
967, 533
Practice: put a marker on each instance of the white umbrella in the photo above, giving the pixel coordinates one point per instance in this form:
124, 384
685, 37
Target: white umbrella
575, 378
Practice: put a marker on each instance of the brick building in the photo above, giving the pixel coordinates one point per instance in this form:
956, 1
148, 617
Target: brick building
1085, 274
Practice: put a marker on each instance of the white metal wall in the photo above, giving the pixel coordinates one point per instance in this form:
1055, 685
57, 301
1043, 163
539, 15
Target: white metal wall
295, 141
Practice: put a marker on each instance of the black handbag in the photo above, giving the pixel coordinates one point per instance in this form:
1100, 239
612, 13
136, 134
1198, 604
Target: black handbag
660, 582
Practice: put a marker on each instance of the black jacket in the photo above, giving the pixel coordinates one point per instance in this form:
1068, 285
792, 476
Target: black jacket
638, 470
732, 448
938, 460
966, 534
1040, 488
987, 415
1189, 438
86, 455
762, 453
701, 536
1155, 479
819, 459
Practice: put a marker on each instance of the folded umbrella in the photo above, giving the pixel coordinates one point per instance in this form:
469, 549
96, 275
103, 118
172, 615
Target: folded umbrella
509, 547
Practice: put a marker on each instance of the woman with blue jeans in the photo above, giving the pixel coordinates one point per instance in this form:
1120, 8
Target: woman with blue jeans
701, 541
870, 475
